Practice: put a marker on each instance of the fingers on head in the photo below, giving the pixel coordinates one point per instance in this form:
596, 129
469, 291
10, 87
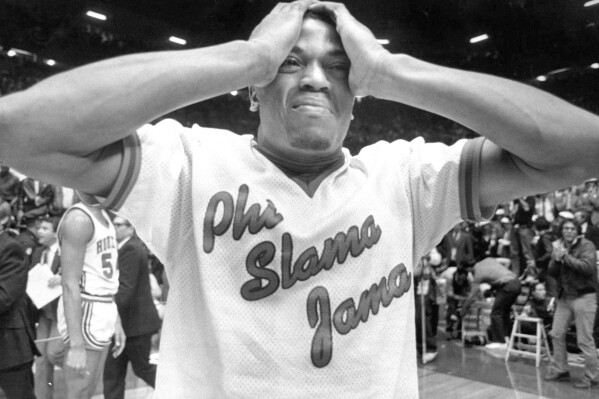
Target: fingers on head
297, 6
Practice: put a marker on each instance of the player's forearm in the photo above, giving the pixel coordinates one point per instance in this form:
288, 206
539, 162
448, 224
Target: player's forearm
542, 129
71, 297
94, 105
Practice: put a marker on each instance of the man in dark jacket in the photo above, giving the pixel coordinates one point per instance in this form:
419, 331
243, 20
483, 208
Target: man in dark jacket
138, 313
574, 266
17, 347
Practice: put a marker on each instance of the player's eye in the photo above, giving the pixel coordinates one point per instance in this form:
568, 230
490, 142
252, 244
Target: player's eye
290, 64
339, 70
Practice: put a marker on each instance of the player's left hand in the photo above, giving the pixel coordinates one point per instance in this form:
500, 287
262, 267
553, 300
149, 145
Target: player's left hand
365, 53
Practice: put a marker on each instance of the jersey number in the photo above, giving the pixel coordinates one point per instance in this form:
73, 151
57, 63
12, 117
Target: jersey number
107, 267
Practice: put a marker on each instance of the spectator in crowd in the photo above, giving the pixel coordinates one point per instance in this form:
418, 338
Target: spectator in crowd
489, 239
506, 288
35, 200
9, 185
589, 231
17, 347
137, 311
457, 246
574, 266
592, 188
521, 238
29, 239
542, 251
64, 198
87, 314
50, 347
504, 234
305, 103
459, 288
425, 297
587, 197
482, 239
539, 305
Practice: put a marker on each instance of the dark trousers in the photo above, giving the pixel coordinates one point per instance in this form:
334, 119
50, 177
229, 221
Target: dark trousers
431, 343
17, 382
137, 351
596, 327
505, 297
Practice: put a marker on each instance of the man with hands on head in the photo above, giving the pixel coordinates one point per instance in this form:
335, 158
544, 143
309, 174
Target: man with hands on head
256, 234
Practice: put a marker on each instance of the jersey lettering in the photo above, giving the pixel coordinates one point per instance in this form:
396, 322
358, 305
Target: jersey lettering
105, 244
336, 249
308, 263
346, 317
235, 213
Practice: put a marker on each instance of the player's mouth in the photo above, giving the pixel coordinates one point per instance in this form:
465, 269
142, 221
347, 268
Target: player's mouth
312, 106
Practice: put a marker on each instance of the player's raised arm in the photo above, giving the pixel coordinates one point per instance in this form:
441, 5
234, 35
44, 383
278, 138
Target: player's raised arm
62, 129
537, 142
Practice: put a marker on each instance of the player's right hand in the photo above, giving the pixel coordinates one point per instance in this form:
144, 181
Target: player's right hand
277, 33
76, 359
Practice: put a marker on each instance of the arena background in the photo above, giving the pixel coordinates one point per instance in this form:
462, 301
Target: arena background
551, 44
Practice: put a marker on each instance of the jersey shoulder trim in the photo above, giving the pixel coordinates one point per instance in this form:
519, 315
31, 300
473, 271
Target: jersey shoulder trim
469, 174
128, 173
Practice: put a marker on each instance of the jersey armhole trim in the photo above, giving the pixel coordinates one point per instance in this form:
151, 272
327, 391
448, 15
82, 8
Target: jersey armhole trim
469, 187
128, 173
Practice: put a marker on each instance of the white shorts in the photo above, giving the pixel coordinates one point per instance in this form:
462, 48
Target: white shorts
98, 321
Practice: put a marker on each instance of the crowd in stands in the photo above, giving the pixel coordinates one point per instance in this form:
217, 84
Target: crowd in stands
531, 238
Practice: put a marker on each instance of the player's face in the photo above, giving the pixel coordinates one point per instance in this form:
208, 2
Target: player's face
306, 110
46, 234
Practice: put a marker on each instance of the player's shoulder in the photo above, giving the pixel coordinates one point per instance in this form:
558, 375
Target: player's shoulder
170, 132
76, 223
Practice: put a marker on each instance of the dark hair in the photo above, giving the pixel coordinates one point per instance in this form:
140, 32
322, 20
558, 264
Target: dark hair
574, 222
320, 17
53, 220
542, 224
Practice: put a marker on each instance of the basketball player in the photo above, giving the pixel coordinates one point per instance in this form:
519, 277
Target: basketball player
289, 259
87, 314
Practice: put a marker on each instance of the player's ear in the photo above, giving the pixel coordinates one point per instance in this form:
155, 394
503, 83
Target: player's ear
254, 103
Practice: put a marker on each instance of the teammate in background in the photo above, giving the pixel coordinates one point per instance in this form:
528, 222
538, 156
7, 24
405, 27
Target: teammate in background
87, 314
256, 235
137, 311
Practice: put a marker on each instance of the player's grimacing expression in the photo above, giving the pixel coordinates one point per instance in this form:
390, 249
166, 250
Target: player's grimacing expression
307, 108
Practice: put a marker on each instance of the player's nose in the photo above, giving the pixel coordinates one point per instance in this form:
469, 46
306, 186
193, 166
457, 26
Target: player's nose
314, 77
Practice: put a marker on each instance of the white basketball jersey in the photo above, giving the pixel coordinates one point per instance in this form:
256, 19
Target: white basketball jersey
276, 294
100, 275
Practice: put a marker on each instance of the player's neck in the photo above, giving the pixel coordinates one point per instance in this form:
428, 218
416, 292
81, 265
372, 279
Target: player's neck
298, 166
